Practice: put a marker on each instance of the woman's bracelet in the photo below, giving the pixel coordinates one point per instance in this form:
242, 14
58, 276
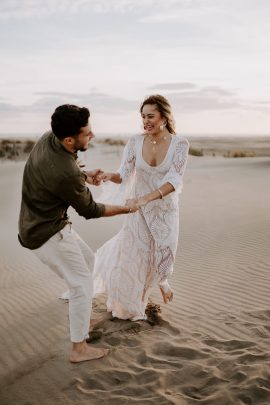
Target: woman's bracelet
160, 192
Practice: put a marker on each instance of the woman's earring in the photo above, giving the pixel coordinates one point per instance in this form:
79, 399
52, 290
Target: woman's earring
162, 126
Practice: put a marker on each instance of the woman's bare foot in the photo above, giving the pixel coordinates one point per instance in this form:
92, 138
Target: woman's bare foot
94, 323
167, 296
83, 352
97, 322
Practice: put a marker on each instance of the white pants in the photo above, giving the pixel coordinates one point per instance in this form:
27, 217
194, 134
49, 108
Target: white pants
70, 257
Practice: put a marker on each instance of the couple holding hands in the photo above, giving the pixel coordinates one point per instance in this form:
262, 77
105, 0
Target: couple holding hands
147, 187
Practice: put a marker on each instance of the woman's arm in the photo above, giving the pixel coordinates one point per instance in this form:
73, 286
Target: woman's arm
161, 192
127, 165
114, 177
173, 181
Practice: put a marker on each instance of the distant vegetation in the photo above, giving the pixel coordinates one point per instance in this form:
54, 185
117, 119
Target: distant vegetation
19, 149
239, 154
195, 152
14, 149
28, 146
111, 141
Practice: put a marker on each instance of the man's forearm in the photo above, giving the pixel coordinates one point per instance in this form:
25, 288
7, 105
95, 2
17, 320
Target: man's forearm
111, 210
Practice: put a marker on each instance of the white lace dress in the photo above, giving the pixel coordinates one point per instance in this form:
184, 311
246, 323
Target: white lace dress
142, 254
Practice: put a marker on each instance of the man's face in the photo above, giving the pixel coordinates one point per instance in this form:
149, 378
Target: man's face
81, 141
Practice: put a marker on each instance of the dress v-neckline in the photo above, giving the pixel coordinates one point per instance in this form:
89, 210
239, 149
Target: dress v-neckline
165, 158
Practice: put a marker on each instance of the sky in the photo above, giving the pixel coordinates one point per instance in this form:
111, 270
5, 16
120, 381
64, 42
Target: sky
210, 58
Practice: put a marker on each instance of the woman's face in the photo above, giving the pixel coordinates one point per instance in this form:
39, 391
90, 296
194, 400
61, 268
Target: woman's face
151, 119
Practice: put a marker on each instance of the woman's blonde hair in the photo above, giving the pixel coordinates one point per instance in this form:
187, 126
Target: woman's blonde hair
164, 107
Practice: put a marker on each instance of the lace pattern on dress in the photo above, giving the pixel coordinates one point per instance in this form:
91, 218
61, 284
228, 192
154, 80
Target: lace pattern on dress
176, 172
118, 193
142, 253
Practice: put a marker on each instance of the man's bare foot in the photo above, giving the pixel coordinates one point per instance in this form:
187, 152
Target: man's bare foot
167, 296
84, 352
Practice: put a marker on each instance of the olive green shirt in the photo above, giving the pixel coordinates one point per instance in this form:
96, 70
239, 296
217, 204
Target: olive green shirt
52, 181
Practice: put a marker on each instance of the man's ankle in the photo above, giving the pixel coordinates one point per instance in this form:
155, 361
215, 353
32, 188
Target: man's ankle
78, 346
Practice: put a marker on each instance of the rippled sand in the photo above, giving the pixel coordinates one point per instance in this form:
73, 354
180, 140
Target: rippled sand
209, 346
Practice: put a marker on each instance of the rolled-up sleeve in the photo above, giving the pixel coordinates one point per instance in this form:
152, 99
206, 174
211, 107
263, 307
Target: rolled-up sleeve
73, 191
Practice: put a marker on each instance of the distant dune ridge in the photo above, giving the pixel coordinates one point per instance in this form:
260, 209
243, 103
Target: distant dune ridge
232, 146
209, 346
19, 148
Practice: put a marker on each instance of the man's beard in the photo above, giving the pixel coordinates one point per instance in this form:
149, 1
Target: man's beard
83, 149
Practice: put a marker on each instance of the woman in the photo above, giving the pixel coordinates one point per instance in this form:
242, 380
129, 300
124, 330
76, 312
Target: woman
142, 254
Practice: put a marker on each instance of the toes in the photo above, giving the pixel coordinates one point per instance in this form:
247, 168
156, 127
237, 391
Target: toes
105, 352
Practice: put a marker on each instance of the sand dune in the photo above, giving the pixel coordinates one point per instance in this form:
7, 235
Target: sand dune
209, 346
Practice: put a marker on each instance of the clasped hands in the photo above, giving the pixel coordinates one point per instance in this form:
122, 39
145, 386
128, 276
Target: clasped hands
94, 177
97, 176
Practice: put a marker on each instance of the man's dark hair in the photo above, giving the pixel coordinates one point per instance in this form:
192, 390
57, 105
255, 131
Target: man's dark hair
67, 120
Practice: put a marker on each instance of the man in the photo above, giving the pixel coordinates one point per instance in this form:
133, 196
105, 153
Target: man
52, 182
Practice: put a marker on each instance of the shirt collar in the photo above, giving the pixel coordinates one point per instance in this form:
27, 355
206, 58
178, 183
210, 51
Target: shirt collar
59, 146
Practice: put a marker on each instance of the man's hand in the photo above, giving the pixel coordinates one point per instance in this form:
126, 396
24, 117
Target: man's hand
138, 201
94, 177
132, 204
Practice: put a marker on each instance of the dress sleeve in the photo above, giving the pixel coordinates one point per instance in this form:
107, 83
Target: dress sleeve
127, 166
118, 193
177, 169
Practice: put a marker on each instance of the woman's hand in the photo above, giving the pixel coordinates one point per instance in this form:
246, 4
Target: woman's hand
132, 201
106, 177
114, 177
139, 201
142, 201
132, 205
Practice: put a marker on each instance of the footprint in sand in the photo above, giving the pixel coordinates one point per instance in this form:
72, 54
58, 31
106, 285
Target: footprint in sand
250, 358
181, 352
253, 395
228, 345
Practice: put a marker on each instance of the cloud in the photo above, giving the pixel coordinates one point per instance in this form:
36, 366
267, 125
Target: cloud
192, 88
7, 110
186, 97
225, 24
196, 10
27, 8
203, 101
219, 91
99, 102
191, 98
173, 86
209, 109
